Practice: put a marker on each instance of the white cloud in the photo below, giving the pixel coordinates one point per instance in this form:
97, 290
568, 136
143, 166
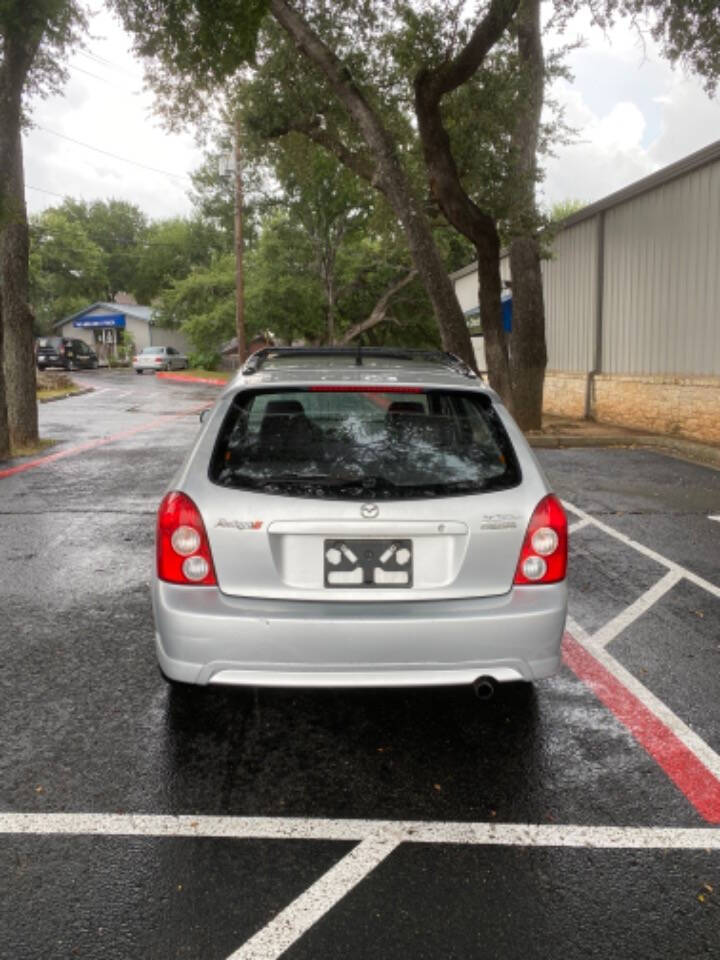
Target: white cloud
633, 114
109, 111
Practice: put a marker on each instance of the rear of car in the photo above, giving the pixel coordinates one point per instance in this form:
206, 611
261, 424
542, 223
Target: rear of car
159, 358
375, 525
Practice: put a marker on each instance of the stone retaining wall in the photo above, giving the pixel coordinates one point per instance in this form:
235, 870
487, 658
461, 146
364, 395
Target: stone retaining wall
678, 406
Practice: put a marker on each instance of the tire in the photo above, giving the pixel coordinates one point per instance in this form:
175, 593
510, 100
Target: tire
41, 367
138, 371
93, 364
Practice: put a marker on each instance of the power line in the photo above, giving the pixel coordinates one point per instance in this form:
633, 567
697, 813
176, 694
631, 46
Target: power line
96, 58
74, 67
107, 153
42, 190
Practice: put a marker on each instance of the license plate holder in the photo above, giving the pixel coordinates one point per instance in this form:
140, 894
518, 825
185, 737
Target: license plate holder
368, 564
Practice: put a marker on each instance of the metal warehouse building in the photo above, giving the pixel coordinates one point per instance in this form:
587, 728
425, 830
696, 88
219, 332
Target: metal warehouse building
632, 300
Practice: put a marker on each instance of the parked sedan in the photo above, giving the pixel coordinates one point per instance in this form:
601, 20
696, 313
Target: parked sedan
159, 358
354, 518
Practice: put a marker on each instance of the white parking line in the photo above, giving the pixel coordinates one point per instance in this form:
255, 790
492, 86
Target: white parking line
297, 918
385, 831
697, 746
712, 588
714, 518
578, 525
632, 613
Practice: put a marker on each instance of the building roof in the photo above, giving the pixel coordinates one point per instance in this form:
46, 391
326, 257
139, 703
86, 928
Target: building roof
694, 161
129, 310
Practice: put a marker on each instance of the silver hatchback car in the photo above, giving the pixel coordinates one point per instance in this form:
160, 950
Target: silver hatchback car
359, 518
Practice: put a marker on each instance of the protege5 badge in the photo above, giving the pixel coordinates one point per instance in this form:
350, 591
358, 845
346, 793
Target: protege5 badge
239, 524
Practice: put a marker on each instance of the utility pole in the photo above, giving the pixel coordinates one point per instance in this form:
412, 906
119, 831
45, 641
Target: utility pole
239, 274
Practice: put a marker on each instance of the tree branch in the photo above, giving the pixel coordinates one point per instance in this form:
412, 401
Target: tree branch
379, 311
454, 73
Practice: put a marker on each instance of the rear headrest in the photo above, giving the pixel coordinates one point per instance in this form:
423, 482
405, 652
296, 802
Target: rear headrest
406, 406
283, 406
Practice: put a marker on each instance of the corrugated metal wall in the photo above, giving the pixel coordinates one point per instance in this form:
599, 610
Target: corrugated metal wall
570, 298
661, 295
661, 283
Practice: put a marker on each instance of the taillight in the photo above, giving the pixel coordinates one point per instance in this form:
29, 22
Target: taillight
158, 359
135, 359
183, 551
543, 558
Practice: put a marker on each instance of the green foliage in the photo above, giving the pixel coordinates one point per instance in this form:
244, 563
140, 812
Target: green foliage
168, 250
565, 208
203, 304
208, 360
117, 228
68, 270
35, 39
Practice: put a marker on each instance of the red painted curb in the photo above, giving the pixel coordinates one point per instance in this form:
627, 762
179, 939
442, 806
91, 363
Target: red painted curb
92, 444
687, 772
186, 379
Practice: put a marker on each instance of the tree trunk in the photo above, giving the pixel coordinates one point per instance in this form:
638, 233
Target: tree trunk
459, 209
390, 178
4, 426
17, 318
496, 352
528, 351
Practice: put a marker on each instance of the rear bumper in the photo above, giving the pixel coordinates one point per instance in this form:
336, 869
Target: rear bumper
203, 636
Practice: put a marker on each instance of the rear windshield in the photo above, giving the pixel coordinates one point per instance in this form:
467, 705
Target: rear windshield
49, 341
153, 350
358, 444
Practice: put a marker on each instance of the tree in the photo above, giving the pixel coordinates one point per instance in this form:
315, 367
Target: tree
203, 305
565, 208
117, 228
34, 38
193, 51
67, 268
168, 250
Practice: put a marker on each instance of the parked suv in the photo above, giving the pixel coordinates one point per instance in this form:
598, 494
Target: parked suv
359, 518
64, 352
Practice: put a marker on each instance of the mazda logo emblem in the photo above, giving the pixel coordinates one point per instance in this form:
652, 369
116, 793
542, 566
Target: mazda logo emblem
369, 510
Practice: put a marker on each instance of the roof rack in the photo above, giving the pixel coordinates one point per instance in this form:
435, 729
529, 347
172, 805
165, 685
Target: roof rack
446, 359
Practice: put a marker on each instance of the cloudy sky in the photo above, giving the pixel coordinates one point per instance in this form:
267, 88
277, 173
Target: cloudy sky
633, 114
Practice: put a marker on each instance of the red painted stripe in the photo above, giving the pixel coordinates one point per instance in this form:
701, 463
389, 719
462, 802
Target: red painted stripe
687, 772
92, 444
215, 381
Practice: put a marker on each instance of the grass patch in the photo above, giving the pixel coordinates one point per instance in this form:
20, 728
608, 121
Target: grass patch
44, 395
213, 374
53, 386
31, 450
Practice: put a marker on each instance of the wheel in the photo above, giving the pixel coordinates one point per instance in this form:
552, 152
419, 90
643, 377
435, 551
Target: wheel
93, 364
41, 367
138, 371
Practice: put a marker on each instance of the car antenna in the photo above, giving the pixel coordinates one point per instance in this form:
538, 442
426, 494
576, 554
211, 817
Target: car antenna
358, 356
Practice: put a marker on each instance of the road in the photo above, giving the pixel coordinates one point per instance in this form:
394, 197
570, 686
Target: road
579, 820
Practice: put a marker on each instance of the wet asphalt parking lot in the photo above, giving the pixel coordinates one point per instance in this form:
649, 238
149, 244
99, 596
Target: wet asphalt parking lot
581, 819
